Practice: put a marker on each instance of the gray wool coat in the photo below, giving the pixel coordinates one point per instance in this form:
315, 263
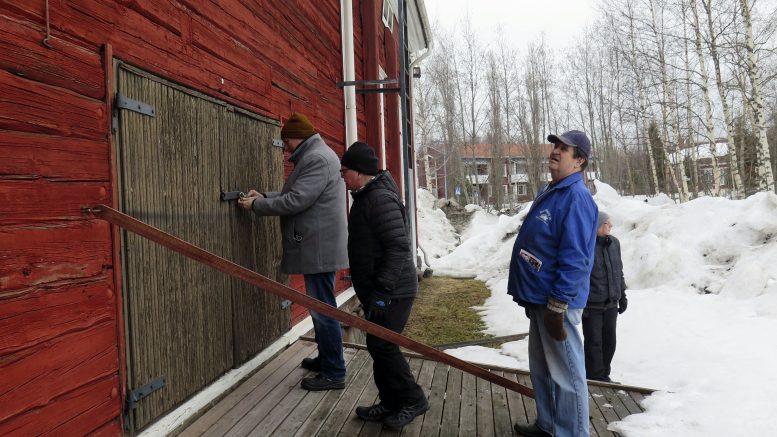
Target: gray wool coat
312, 210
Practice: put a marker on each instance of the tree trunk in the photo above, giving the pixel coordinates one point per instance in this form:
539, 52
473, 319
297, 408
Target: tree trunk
765, 176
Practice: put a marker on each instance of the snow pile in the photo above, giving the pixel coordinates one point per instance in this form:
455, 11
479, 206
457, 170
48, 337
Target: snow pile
435, 233
702, 308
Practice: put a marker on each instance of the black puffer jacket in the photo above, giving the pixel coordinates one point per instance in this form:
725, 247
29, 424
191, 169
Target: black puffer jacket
608, 285
379, 243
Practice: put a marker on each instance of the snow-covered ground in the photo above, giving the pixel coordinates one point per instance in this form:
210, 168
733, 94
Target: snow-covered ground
701, 325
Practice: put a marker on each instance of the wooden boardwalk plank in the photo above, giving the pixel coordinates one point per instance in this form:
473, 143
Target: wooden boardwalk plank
529, 404
234, 405
347, 402
433, 417
502, 423
287, 385
629, 402
452, 407
270, 402
484, 408
424, 379
315, 420
617, 404
600, 414
290, 420
468, 414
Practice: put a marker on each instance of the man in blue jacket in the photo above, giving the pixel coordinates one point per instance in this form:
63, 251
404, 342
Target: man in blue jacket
549, 277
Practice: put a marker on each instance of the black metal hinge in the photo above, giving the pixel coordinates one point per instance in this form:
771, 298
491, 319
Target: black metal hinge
134, 396
124, 102
361, 83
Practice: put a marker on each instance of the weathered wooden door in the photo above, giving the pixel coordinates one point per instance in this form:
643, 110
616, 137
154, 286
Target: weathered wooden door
177, 149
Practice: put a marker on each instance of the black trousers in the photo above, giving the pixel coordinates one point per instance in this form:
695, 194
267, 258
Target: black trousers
599, 332
395, 382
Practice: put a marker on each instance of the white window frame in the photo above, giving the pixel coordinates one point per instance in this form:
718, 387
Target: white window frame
389, 12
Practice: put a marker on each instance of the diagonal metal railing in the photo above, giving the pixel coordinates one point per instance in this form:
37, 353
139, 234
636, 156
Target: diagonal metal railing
204, 257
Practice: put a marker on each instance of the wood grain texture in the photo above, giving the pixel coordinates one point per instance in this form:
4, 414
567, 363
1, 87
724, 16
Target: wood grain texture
40, 156
30, 106
48, 374
51, 252
71, 66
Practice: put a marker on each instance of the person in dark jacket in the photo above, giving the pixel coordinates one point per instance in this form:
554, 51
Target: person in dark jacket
312, 209
606, 300
384, 278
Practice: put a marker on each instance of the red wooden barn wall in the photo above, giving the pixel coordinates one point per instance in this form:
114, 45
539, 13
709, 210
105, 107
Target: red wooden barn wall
61, 362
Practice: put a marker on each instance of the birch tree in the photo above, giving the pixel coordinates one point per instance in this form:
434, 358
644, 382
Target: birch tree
708, 123
659, 35
765, 176
712, 47
495, 136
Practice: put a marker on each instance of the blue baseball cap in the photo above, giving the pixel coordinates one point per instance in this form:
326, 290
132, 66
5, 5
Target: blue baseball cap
573, 138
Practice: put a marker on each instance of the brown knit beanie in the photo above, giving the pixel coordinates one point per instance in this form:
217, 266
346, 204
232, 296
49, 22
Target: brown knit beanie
297, 126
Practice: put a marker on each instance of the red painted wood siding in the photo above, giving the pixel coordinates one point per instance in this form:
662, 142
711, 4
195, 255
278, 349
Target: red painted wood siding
59, 355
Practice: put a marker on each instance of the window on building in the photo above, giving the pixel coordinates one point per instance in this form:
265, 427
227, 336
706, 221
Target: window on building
520, 189
389, 12
519, 166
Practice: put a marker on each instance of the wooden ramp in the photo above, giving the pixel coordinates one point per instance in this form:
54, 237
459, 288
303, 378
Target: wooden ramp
271, 402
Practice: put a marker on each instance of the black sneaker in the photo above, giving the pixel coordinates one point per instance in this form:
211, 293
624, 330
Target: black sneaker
313, 364
406, 414
375, 413
531, 430
321, 382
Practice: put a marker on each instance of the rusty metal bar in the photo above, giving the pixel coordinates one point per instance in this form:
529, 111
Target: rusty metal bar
202, 256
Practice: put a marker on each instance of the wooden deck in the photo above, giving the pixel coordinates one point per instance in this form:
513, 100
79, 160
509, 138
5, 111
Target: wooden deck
271, 402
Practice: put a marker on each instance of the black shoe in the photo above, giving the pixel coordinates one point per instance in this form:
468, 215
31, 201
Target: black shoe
321, 382
375, 413
313, 364
406, 414
531, 430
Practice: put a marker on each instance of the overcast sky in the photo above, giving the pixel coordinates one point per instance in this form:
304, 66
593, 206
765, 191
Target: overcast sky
522, 21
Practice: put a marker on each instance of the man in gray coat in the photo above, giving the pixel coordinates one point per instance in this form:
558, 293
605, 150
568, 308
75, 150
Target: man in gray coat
312, 209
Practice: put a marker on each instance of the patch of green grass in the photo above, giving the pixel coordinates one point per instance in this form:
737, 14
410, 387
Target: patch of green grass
442, 311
